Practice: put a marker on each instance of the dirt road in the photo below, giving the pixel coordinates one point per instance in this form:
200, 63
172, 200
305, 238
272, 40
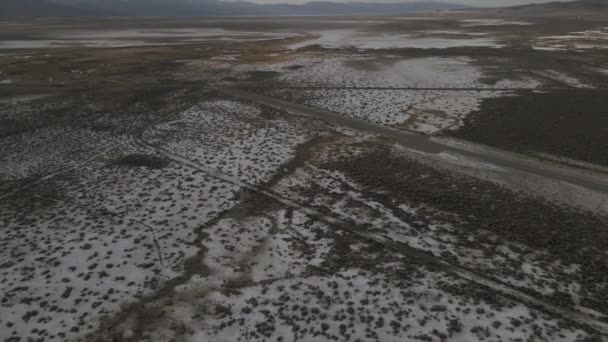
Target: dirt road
595, 181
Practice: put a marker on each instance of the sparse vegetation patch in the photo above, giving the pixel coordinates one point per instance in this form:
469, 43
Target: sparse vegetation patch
143, 160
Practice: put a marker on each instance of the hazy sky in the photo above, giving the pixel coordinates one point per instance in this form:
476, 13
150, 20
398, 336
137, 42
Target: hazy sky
483, 3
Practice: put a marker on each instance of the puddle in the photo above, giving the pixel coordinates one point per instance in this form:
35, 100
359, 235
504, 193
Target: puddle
589, 39
453, 33
235, 57
563, 78
492, 22
127, 38
602, 71
21, 99
162, 34
336, 39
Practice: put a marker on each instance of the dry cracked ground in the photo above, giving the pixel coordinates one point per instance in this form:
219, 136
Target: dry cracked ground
436, 177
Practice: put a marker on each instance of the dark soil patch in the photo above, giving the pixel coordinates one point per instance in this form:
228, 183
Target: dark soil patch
270, 113
262, 75
145, 160
569, 235
103, 127
294, 67
9, 127
572, 123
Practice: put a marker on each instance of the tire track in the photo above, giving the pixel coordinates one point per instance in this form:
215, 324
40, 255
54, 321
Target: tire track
312, 87
349, 225
154, 239
61, 170
426, 144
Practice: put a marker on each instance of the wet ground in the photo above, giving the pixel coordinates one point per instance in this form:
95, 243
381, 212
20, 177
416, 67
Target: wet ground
435, 177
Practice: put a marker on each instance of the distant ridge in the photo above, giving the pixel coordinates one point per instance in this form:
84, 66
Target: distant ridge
338, 8
191, 8
45, 8
571, 5
591, 9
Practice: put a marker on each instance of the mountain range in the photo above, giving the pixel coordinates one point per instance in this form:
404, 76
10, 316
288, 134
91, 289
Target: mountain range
45, 8
53, 8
